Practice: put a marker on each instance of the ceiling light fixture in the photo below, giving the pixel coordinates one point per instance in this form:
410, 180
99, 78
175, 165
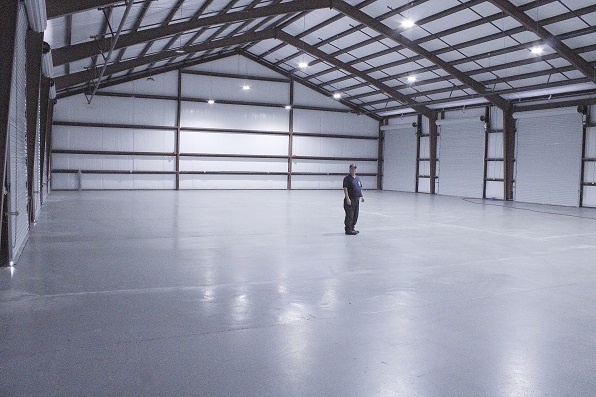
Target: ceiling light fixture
537, 50
303, 65
408, 23
246, 87
210, 101
288, 107
337, 95
411, 78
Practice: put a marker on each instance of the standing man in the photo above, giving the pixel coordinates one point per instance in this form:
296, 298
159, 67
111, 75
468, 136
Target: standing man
352, 194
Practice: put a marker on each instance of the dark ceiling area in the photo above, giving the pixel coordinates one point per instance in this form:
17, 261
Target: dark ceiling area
379, 57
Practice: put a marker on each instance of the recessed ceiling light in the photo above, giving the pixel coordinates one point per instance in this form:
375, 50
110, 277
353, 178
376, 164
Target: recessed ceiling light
411, 79
210, 101
303, 65
537, 50
407, 23
246, 87
180, 51
288, 107
337, 95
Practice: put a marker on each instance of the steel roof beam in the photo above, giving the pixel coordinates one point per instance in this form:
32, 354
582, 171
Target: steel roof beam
383, 29
60, 8
457, 29
147, 73
308, 84
297, 43
87, 49
82, 77
563, 50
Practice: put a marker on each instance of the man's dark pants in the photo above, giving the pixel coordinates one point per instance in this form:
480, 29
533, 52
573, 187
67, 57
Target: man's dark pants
351, 213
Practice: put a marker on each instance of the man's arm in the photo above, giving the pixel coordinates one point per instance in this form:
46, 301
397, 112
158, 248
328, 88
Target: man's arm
347, 196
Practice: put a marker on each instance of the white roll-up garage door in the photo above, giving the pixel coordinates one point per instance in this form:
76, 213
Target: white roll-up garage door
461, 159
399, 160
548, 159
18, 220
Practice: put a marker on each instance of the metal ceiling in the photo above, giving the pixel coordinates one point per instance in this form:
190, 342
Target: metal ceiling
459, 52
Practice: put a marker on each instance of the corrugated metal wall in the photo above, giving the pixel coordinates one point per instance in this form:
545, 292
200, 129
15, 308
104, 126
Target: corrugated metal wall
242, 141
17, 144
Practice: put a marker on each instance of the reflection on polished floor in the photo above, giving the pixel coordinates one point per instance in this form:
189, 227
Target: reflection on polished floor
260, 293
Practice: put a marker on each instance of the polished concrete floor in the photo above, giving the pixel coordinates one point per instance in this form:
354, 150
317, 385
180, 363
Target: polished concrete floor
260, 293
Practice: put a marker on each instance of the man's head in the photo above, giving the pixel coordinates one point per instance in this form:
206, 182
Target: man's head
353, 169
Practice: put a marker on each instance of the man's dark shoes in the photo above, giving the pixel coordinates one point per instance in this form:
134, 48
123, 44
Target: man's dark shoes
351, 232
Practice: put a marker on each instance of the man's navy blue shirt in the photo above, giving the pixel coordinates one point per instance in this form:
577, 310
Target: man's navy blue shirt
354, 187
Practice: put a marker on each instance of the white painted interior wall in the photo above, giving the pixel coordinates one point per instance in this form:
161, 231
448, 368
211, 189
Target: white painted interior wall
259, 127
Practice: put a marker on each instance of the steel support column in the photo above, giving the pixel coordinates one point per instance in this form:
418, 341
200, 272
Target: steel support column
585, 111
381, 153
34, 50
178, 117
508, 153
486, 143
8, 20
433, 130
418, 136
44, 96
291, 135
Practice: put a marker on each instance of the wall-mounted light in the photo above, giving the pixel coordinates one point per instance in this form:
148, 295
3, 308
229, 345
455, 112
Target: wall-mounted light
210, 101
288, 107
36, 13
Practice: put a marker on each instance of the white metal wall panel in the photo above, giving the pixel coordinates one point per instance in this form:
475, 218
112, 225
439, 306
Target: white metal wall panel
160, 84
307, 97
233, 181
333, 166
461, 154
226, 88
18, 226
113, 139
232, 143
330, 182
111, 110
399, 159
548, 159
334, 147
233, 164
236, 65
254, 118
320, 122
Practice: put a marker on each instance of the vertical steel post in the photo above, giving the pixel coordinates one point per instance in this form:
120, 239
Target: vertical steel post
418, 137
44, 104
509, 152
291, 135
381, 154
433, 130
178, 118
585, 111
486, 142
